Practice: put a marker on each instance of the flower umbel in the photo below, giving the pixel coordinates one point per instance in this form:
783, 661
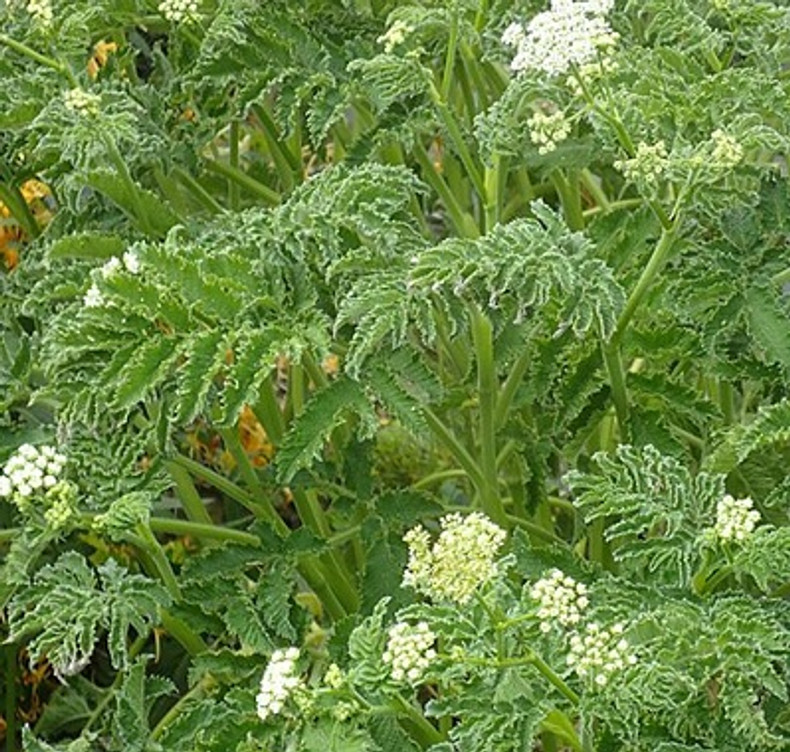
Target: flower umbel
461, 559
394, 36
561, 599
647, 165
278, 683
569, 34
546, 130
409, 651
727, 152
93, 298
82, 102
735, 519
40, 11
31, 470
599, 653
179, 11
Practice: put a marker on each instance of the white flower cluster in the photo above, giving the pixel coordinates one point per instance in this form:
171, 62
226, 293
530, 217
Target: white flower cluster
647, 165
568, 34
561, 599
727, 152
599, 653
735, 518
94, 298
409, 651
30, 470
461, 559
546, 130
278, 683
178, 11
40, 11
82, 102
394, 36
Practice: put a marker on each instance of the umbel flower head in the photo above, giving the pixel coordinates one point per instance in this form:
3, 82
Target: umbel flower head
546, 130
82, 102
280, 680
179, 11
568, 34
409, 651
735, 519
462, 558
561, 600
647, 165
599, 653
31, 470
41, 12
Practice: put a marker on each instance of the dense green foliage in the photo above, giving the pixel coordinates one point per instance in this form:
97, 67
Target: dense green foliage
285, 280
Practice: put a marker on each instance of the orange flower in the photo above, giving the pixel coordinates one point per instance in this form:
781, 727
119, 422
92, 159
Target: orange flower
101, 53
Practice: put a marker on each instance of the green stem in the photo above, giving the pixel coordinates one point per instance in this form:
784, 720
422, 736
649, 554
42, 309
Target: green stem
510, 387
263, 504
423, 732
123, 171
438, 477
250, 184
781, 278
592, 184
451, 443
288, 164
200, 194
154, 550
570, 198
187, 494
449, 62
16, 204
654, 266
616, 373
191, 641
626, 203
30, 53
9, 534
198, 530
233, 158
228, 487
456, 136
268, 412
198, 692
464, 225
537, 530
493, 192
10, 697
487, 386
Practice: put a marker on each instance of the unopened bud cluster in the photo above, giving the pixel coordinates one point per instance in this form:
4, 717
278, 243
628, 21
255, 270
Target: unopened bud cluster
568, 34
409, 651
727, 152
647, 165
280, 680
179, 11
41, 11
546, 130
598, 653
31, 470
561, 600
395, 35
735, 519
94, 298
462, 558
82, 102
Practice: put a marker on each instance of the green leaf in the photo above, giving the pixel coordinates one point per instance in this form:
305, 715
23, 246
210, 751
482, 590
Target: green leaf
87, 245
143, 372
769, 324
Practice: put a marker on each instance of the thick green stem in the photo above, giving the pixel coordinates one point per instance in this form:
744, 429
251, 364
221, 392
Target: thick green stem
456, 136
451, 443
37, 57
198, 530
420, 729
487, 386
16, 204
570, 198
654, 266
288, 165
449, 62
162, 565
188, 639
198, 692
510, 387
233, 186
134, 192
10, 697
268, 412
250, 184
493, 186
616, 373
187, 494
263, 504
200, 194
464, 224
